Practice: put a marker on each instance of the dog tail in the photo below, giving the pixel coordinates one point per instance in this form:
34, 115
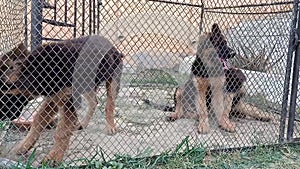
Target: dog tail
159, 106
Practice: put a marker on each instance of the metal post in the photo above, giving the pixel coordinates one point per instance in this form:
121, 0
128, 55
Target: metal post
291, 49
201, 18
94, 16
98, 15
83, 17
36, 23
75, 19
26, 23
294, 83
90, 17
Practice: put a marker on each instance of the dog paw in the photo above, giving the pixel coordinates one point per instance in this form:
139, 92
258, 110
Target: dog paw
80, 126
171, 117
227, 125
111, 130
265, 119
21, 148
54, 157
203, 128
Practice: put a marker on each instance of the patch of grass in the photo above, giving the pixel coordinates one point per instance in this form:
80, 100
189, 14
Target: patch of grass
272, 157
153, 76
3, 124
186, 156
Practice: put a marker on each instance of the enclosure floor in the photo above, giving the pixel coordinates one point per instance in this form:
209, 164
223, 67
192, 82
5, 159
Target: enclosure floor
143, 131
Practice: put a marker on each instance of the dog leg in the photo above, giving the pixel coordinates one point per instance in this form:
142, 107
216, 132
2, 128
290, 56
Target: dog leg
64, 131
250, 110
225, 122
42, 119
219, 105
91, 98
178, 107
111, 87
202, 110
253, 112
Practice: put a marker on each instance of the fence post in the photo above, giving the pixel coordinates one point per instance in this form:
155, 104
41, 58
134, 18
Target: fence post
36, 23
201, 18
286, 92
295, 82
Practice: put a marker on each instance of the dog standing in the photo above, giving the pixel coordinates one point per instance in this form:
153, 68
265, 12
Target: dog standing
47, 71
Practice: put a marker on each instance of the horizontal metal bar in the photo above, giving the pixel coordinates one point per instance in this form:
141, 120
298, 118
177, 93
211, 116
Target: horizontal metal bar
177, 3
253, 5
248, 13
56, 23
47, 5
52, 39
296, 139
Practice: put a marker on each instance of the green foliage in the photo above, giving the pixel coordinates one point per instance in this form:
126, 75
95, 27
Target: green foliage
3, 124
187, 156
153, 76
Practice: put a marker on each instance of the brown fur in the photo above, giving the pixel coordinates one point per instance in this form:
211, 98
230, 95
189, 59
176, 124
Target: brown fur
208, 76
62, 100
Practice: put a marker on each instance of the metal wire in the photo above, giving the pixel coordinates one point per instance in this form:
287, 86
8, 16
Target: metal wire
160, 41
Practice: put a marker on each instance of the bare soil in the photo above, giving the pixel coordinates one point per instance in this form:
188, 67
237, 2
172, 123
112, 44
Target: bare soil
143, 131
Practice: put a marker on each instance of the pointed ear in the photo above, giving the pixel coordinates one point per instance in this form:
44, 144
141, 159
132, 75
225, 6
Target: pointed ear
215, 29
20, 52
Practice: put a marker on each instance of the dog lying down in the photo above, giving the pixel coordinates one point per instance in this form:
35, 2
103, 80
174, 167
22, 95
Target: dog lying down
49, 71
212, 86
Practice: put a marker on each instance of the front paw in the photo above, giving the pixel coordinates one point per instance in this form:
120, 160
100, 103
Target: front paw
227, 125
111, 130
203, 128
172, 117
22, 148
54, 158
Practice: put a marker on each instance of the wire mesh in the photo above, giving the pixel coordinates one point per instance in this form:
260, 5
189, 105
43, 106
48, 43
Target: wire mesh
162, 41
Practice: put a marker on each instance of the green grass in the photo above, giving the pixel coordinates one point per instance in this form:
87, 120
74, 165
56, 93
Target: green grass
185, 156
153, 77
3, 124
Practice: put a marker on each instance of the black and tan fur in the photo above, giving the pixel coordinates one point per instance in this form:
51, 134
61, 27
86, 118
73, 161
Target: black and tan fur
47, 71
210, 87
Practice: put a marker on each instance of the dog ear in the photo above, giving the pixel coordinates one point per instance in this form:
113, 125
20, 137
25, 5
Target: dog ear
215, 29
216, 36
20, 52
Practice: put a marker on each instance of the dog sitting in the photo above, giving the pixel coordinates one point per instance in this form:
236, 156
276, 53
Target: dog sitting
207, 71
212, 87
48, 71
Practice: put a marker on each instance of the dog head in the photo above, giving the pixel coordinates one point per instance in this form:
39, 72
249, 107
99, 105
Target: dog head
219, 42
211, 47
11, 105
216, 43
11, 64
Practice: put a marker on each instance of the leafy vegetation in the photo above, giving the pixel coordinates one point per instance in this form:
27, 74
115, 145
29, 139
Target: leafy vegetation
153, 76
186, 156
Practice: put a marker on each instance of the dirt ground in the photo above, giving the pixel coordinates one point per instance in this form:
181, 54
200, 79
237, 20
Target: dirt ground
143, 131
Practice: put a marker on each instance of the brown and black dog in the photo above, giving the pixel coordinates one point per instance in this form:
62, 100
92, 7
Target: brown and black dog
11, 105
212, 87
48, 71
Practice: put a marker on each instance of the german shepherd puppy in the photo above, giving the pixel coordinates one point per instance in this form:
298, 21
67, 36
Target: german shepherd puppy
48, 71
212, 87
11, 105
207, 71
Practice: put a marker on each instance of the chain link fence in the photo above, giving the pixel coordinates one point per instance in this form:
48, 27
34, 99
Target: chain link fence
161, 43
